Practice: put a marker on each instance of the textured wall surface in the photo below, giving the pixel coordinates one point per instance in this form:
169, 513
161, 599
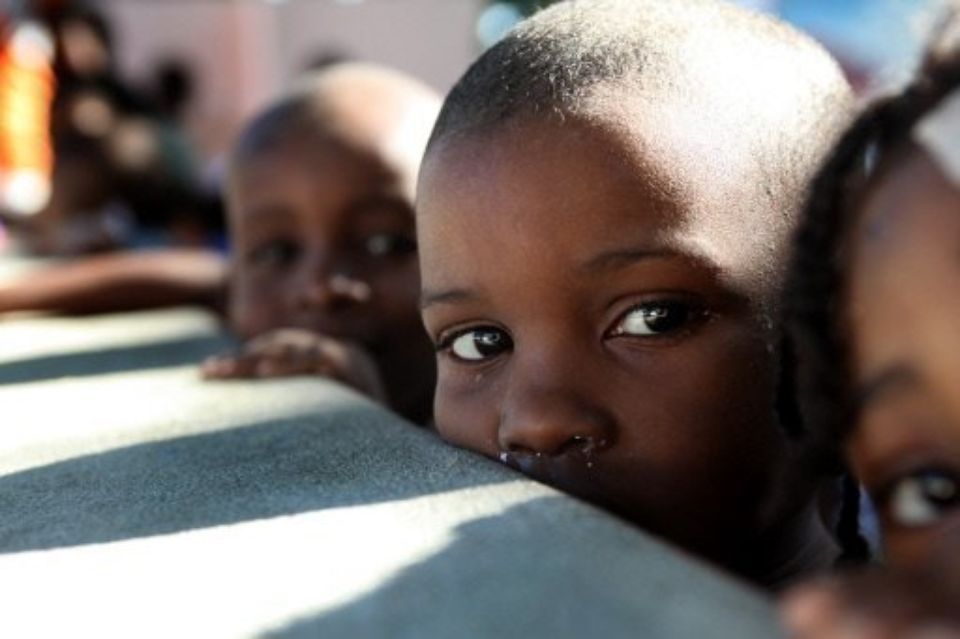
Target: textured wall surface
137, 500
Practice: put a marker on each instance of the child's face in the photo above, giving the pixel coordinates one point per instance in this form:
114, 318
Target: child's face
597, 314
323, 239
904, 314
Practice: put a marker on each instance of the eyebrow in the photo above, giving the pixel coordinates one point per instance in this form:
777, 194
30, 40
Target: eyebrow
887, 380
450, 296
621, 257
607, 260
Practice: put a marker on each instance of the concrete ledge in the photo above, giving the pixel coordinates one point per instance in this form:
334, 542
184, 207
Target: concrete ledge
136, 500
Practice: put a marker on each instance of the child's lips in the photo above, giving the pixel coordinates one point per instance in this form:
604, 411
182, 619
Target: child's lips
591, 476
567, 472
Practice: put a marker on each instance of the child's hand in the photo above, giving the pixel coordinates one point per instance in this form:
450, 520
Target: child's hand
872, 605
289, 352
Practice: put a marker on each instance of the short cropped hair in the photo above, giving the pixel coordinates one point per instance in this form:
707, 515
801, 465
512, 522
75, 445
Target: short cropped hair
308, 110
554, 63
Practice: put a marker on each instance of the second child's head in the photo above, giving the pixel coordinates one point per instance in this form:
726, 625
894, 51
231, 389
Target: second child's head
874, 299
320, 200
601, 215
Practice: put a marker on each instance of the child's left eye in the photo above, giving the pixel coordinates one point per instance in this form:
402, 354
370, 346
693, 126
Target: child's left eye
921, 499
387, 244
655, 318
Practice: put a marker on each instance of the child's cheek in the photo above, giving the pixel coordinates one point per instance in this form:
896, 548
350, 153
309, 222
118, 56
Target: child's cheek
465, 412
254, 308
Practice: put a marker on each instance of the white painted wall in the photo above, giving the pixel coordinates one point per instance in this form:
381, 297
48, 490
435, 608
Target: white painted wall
245, 51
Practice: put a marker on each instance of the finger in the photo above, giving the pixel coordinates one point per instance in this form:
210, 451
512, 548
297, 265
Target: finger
231, 366
218, 367
295, 361
811, 612
822, 612
278, 367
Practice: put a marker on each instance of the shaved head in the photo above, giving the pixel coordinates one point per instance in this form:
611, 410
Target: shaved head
363, 107
732, 101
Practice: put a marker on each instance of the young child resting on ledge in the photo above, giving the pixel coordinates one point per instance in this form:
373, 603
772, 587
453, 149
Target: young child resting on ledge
322, 277
602, 217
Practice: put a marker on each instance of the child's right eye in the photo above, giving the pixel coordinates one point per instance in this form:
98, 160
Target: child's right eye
275, 253
477, 344
921, 499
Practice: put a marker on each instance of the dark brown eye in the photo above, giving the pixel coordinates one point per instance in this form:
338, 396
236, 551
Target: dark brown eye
389, 244
655, 318
922, 499
479, 344
276, 253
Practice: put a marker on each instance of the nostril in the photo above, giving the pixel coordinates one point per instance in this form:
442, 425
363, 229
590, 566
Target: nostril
518, 449
578, 444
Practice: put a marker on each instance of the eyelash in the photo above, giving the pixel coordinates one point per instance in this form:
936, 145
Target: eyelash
694, 315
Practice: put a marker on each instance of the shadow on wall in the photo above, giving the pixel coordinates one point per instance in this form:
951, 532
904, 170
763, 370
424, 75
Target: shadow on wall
550, 567
291, 465
114, 360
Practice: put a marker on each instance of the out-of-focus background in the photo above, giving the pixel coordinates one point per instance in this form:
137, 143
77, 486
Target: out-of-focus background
151, 92
241, 52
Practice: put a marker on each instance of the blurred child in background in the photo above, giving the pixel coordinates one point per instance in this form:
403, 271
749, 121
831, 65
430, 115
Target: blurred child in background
875, 304
322, 276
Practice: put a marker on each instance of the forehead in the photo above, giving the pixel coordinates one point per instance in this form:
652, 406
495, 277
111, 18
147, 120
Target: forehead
903, 258
902, 214
573, 185
317, 172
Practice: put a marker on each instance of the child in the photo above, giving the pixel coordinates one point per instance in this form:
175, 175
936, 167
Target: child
873, 298
322, 277
323, 265
601, 214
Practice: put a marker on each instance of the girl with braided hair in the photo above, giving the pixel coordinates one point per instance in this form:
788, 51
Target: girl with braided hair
874, 307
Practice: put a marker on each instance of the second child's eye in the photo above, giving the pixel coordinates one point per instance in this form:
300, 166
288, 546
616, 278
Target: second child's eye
389, 244
922, 499
655, 318
478, 344
275, 253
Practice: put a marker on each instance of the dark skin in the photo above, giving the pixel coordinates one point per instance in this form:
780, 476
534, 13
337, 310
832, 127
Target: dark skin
324, 278
902, 311
599, 327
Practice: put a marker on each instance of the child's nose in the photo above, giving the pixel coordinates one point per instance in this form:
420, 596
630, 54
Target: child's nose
553, 422
327, 286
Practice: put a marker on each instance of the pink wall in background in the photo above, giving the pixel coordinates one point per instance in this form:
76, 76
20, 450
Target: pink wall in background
245, 51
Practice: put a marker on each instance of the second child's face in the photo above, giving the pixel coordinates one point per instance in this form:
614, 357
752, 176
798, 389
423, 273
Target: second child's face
323, 239
904, 314
597, 330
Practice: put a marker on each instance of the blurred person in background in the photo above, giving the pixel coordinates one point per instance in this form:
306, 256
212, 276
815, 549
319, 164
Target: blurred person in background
122, 174
322, 277
26, 93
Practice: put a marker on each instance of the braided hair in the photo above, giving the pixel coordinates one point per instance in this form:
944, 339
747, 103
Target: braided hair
816, 284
